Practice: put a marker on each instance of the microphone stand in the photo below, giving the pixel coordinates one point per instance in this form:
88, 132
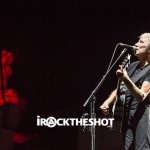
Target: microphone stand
93, 115
92, 100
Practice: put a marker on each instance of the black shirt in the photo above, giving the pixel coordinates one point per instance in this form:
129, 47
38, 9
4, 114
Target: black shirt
132, 71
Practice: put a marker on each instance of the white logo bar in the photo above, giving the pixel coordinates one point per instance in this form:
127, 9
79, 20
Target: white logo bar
52, 122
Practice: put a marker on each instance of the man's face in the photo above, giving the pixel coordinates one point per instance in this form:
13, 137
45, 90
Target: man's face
142, 44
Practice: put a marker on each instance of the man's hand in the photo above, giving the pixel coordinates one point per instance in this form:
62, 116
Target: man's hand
105, 108
121, 73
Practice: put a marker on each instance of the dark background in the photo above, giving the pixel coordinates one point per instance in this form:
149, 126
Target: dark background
62, 49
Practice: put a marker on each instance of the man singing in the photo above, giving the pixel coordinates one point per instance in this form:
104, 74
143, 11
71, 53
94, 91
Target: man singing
136, 120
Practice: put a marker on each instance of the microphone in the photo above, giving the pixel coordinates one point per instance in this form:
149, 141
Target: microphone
134, 48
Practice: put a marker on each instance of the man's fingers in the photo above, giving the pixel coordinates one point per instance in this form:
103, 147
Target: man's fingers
121, 67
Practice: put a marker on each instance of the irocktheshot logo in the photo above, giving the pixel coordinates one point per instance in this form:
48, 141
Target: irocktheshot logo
52, 122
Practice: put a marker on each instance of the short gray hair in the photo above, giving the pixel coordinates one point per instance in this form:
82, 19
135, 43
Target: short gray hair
145, 35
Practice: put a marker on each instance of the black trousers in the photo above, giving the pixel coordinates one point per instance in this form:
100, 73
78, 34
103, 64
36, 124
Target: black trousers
136, 129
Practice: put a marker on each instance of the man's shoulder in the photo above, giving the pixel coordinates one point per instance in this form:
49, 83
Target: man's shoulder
132, 67
134, 63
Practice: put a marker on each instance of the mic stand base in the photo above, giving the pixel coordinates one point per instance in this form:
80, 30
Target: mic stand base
93, 116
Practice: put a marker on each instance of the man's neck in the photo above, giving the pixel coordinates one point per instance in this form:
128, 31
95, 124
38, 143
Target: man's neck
143, 62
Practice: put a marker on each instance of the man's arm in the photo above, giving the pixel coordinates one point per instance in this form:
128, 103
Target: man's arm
105, 106
139, 93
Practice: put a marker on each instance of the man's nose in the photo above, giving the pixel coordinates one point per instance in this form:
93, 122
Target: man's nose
136, 44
